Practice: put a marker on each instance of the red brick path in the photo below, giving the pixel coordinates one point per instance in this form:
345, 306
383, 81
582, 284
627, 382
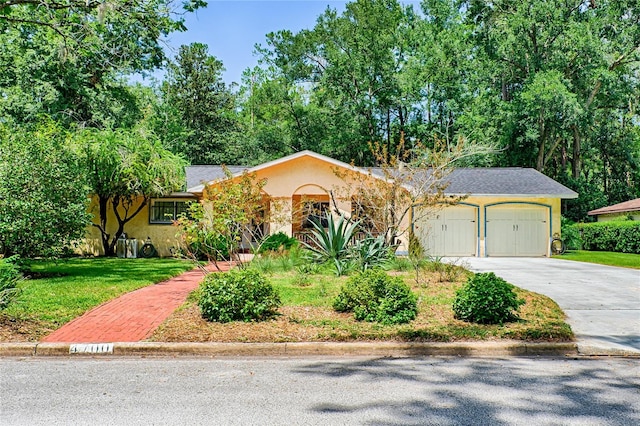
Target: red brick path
131, 317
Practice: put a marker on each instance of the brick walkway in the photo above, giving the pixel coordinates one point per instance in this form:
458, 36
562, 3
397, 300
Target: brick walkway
131, 317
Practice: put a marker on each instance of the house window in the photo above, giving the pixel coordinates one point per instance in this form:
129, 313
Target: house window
166, 212
315, 211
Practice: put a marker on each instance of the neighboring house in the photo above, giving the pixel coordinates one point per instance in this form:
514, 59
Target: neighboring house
505, 212
618, 211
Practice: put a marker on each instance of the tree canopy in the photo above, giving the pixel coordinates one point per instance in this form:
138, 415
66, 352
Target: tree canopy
552, 84
125, 168
43, 195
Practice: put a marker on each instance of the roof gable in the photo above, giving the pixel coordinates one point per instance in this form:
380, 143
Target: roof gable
201, 175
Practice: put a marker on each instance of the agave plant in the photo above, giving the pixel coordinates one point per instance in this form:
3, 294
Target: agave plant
332, 244
372, 252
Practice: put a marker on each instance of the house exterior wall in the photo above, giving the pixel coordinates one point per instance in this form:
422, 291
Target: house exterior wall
306, 178
163, 236
618, 216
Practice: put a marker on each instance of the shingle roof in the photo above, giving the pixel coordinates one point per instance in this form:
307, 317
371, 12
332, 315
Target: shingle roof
198, 175
497, 181
505, 181
473, 181
627, 206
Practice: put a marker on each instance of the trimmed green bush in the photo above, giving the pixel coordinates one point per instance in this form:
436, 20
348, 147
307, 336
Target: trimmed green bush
9, 277
276, 242
486, 299
618, 236
237, 295
571, 234
374, 296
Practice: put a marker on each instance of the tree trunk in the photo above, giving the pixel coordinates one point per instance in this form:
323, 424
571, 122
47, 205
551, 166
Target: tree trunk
577, 160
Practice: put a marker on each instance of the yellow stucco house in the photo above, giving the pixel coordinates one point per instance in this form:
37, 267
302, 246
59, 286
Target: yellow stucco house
504, 211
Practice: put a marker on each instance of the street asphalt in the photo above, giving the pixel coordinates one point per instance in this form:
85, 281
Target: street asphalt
322, 391
602, 303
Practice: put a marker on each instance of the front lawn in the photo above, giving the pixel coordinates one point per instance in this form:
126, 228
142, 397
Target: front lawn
58, 291
307, 315
624, 260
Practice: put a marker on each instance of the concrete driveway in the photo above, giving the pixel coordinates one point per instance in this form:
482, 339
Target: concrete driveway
602, 303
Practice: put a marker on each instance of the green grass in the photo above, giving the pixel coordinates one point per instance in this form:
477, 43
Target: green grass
70, 287
316, 290
624, 260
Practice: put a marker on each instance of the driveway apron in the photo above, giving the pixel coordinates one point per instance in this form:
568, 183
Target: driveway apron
602, 303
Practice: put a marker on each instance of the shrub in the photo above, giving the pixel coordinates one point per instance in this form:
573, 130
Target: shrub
618, 236
277, 242
238, 295
486, 299
9, 277
571, 234
374, 296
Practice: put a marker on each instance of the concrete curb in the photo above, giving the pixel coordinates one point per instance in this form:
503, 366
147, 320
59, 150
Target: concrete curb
380, 349
588, 350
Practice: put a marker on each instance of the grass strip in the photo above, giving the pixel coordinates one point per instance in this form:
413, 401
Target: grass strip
623, 260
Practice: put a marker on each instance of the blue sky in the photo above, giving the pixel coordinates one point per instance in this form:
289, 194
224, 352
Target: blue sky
232, 28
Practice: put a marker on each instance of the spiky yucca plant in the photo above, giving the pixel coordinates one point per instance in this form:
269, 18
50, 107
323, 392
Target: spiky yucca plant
332, 243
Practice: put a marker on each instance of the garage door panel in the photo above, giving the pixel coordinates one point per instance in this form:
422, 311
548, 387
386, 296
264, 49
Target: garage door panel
451, 231
517, 231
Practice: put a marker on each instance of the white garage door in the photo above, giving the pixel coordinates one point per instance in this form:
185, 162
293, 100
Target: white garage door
517, 230
452, 231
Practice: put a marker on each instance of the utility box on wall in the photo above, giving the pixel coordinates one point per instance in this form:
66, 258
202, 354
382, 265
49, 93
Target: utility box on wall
127, 247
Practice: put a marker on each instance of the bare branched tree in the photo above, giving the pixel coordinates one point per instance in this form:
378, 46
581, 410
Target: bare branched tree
383, 197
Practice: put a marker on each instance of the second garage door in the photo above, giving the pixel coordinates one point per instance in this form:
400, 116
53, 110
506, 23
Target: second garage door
452, 231
520, 230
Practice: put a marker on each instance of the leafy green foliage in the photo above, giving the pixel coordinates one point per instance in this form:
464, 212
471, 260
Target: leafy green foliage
374, 296
486, 299
200, 242
43, 195
67, 59
277, 242
238, 295
228, 210
553, 84
617, 236
200, 109
9, 277
570, 234
125, 169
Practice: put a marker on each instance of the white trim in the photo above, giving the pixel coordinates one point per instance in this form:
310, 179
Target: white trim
564, 196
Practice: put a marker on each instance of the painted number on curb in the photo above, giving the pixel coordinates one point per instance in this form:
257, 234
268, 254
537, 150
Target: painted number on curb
91, 348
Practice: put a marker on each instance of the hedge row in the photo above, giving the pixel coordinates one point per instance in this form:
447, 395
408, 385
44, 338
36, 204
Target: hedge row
622, 236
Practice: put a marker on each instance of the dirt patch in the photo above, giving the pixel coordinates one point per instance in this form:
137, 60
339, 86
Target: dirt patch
21, 330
